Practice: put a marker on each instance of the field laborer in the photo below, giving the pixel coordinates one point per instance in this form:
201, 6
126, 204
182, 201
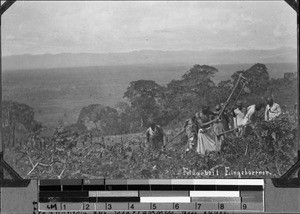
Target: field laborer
238, 114
156, 137
251, 115
223, 117
206, 135
272, 110
219, 126
191, 129
238, 117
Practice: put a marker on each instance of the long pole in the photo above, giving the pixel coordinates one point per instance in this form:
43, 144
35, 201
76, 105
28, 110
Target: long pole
238, 96
231, 130
227, 101
181, 132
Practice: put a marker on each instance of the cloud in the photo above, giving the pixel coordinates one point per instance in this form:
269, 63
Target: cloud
101, 26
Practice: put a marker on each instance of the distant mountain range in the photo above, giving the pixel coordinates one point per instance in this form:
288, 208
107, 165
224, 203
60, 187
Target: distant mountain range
209, 57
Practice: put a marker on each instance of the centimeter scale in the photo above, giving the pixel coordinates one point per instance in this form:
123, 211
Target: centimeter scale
90, 196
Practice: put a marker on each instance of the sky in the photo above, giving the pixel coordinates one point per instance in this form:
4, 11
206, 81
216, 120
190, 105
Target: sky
51, 27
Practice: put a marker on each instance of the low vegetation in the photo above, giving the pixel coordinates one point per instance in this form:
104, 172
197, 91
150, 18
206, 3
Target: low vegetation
269, 150
110, 143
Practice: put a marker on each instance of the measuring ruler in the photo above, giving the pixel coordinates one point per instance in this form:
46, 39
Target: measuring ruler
176, 194
185, 196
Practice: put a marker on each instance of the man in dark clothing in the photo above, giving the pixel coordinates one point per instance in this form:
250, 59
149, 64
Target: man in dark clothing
223, 117
191, 128
156, 137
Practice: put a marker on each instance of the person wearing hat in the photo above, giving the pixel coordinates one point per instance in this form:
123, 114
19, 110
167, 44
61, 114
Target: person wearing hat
272, 110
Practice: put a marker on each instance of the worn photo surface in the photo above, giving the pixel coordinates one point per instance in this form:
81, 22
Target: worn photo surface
140, 90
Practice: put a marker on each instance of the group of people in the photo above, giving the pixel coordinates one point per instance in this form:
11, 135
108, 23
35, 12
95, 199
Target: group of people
206, 129
249, 115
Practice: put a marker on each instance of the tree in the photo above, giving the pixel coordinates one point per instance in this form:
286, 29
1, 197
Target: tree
146, 98
282, 90
17, 117
196, 88
223, 90
199, 74
258, 77
122, 107
129, 121
99, 117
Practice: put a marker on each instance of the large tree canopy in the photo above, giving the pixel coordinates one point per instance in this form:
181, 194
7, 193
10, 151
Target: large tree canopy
146, 97
143, 89
199, 74
258, 77
14, 112
98, 117
194, 89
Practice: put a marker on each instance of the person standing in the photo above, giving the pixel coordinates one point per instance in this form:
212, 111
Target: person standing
206, 136
272, 110
219, 126
223, 117
191, 129
238, 117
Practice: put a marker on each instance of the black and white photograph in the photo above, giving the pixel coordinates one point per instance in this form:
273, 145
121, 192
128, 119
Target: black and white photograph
149, 89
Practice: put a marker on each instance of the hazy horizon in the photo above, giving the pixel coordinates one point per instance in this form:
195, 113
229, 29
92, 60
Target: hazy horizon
120, 27
157, 50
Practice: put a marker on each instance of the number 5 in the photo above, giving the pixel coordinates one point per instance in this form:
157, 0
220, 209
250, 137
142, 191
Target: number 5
154, 206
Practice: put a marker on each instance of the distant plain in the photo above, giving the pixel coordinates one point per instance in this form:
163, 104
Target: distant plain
58, 94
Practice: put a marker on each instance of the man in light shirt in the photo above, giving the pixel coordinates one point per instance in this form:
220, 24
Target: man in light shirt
238, 118
272, 110
238, 114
